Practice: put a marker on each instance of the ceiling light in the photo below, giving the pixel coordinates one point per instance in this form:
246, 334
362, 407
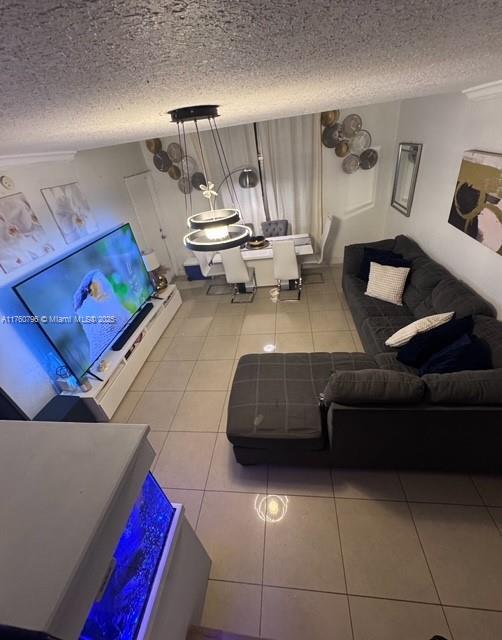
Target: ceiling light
216, 229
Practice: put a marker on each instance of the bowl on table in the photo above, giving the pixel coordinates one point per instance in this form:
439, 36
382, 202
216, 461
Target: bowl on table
257, 242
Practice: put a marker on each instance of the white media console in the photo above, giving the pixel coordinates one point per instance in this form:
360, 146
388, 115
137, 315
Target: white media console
123, 366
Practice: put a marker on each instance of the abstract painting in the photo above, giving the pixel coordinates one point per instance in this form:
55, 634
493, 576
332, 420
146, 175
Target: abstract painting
22, 237
477, 204
70, 210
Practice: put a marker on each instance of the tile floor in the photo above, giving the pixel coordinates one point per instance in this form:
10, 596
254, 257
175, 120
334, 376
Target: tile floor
311, 554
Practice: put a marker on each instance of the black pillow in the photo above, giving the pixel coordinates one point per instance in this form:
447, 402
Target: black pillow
467, 353
424, 345
388, 258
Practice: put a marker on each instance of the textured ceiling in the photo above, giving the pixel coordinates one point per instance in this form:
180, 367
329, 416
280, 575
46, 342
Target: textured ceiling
79, 74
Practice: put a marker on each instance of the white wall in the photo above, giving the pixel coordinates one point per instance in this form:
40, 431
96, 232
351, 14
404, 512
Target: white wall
447, 125
24, 350
359, 201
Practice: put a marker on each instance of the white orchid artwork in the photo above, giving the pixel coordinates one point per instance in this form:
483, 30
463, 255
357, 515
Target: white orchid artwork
22, 237
71, 211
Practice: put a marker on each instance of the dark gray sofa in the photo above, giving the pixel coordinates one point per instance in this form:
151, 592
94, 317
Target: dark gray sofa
276, 415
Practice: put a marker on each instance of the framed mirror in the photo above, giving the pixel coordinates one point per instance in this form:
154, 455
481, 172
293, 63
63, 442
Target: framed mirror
405, 177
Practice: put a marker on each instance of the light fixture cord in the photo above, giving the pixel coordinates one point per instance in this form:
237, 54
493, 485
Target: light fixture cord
181, 147
203, 160
186, 164
227, 173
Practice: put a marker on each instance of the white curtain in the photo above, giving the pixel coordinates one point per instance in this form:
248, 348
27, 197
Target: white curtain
240, 152
291, 149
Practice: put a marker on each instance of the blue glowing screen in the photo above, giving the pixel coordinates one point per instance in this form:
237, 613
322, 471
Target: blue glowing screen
84, 301
118, 614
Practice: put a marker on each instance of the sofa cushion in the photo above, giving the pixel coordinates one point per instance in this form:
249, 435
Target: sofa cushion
422, 325
408, 248
389, 361
274, 401
424, 345
467, 353
425, 275
453, 295
375, 331
465, 387
374, 386
381, 257
352, 361
490, 330
353, 254
387, 283
362, 306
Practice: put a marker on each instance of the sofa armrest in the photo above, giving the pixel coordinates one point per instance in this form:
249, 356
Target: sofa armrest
353, 254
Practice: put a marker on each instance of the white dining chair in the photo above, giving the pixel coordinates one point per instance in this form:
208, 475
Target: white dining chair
319, 258
211, 271
286, 266
238, 274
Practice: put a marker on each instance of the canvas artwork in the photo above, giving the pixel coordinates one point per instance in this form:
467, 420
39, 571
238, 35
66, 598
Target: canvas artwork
22, 237
477, 208
71, 211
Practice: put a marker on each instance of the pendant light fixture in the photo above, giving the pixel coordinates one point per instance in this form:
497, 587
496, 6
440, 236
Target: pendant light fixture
214, 229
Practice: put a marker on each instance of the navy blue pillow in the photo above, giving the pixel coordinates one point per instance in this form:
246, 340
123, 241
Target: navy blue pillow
424, 345
388, 258
467, 353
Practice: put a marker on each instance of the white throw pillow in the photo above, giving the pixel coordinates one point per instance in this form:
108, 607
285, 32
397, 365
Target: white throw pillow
387, 283
404, 335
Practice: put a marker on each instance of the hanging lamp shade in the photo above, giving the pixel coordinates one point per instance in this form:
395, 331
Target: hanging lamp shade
214, 229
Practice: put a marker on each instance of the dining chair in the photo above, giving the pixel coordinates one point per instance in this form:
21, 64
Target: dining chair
238, 274
273, 228
319, 258
211, 271
285, 264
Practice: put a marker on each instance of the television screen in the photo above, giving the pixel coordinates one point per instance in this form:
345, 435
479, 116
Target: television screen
85, 300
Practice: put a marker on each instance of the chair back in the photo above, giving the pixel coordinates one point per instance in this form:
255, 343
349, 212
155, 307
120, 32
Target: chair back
203, 260
236, 270
325, 237
285, 260
272, 228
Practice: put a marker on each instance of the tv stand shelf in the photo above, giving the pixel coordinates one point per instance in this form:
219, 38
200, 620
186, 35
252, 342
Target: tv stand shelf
122, 366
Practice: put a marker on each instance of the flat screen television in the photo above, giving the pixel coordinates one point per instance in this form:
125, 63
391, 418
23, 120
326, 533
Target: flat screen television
84, 301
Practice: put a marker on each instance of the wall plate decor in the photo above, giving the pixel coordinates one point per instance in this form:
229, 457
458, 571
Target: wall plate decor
22, 237
197, 180
331, 135
70, 210
184, 185
7, 184
368, 159
162, 161
405, 177
348, 137
154, 145
352, 124
188, 166
350, 163
342, 148
329, 118
174, 172
360, 142
175, 151
477, 203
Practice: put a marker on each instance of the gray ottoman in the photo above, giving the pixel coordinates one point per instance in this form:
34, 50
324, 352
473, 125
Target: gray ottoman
274, 411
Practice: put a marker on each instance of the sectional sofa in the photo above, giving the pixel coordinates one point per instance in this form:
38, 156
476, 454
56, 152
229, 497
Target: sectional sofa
278, 414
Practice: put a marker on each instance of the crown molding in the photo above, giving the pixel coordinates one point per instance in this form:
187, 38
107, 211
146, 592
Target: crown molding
33, 158
484, 91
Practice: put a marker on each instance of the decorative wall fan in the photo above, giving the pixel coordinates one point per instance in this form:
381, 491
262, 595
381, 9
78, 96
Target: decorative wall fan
350, 141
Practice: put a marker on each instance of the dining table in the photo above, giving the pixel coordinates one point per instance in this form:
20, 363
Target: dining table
261, 258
